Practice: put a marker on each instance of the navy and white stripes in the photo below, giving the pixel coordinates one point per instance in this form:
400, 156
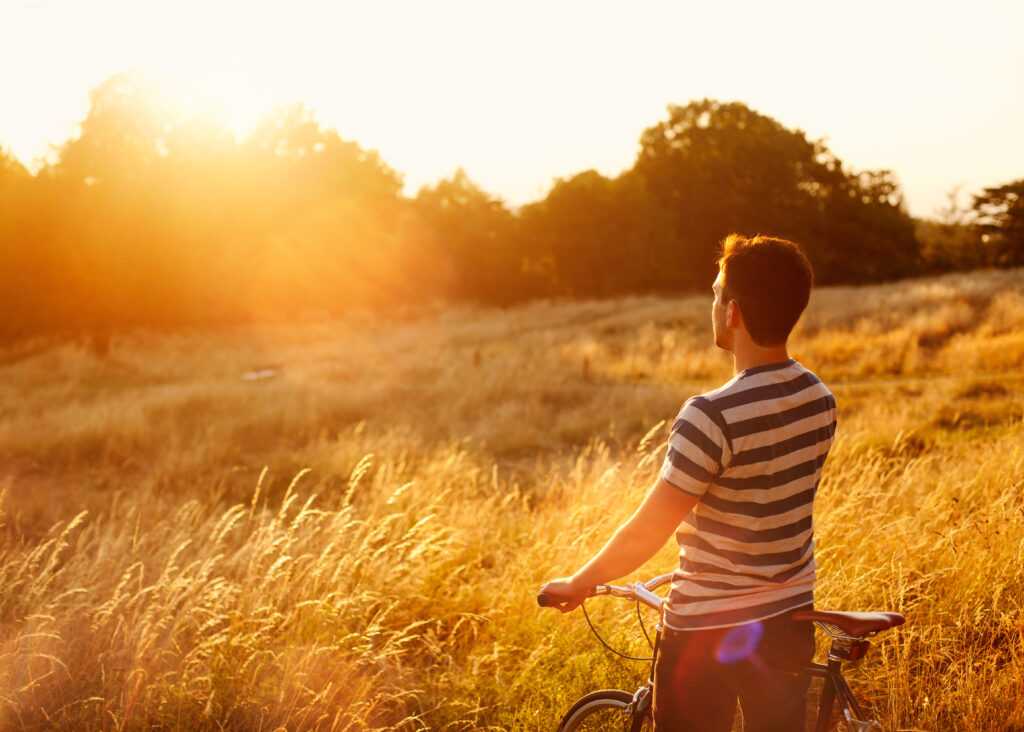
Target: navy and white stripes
752, 451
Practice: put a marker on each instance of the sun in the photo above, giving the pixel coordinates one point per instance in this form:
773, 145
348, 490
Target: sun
232, 97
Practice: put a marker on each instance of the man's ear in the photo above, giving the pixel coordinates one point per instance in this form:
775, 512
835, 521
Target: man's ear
733, 314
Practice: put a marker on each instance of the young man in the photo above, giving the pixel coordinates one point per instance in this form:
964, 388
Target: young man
736, 487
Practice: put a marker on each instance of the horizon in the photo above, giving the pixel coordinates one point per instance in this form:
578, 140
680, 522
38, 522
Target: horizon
459, 92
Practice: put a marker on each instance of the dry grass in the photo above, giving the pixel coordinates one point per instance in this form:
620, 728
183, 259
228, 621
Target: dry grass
355, 541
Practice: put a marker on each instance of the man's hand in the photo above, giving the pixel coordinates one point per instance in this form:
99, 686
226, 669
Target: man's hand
567, 593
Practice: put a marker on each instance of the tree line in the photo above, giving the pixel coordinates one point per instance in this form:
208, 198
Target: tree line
153, 217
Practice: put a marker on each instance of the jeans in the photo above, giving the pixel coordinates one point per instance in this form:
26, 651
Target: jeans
699, 675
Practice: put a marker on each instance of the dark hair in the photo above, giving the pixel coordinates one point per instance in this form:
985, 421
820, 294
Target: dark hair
771, 280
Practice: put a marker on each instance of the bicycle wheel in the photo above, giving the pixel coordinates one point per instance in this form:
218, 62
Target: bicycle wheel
860, 725
607, 709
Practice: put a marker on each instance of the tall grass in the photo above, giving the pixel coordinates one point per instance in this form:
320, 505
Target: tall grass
355, 541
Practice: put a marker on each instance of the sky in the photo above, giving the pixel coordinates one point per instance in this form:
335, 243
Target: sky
520, 93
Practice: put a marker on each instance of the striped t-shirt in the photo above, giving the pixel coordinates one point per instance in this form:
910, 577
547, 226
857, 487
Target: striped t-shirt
752, 451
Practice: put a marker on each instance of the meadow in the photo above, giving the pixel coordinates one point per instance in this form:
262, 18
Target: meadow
342, 525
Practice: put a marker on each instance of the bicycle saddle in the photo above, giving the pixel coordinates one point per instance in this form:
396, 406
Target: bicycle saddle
856, 625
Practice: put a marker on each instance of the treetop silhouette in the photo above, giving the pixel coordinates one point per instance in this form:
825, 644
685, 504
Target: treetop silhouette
152, 216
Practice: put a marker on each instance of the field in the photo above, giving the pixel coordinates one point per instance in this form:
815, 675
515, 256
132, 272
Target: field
342, 525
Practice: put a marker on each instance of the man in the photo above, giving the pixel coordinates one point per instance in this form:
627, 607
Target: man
736, 487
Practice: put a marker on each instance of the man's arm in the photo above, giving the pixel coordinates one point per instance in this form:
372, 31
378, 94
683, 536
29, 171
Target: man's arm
637, 540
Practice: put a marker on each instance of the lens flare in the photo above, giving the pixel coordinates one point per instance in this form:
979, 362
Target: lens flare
739, 643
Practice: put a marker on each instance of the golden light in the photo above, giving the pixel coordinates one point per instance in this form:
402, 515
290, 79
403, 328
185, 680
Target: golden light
230, 97
520, 94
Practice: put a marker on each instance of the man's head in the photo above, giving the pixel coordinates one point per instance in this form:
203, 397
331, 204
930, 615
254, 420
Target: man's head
762, 287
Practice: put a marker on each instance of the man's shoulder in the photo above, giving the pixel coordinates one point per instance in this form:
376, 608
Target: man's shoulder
782, 383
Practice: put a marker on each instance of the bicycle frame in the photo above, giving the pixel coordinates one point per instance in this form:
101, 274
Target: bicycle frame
834, 689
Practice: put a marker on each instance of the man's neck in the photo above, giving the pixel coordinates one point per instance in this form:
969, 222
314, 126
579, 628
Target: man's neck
752, 356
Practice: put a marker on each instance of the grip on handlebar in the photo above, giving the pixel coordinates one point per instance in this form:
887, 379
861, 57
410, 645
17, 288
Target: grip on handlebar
546, 600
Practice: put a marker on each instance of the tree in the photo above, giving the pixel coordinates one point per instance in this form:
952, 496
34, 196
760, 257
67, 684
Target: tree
864, 233
999, 212
950, 240
11, 170
472, 237
718, 167
120, 138
598, 236
164, 218
323, 217
23, 274
291, 142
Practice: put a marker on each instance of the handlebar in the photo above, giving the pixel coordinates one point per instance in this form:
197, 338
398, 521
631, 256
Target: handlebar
642, 591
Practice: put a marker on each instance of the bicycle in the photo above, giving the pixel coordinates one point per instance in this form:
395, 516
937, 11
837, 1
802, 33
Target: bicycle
617, 709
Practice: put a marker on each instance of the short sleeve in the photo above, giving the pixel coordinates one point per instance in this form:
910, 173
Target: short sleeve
697, 448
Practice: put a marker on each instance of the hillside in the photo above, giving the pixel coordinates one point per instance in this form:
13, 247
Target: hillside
342, 525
